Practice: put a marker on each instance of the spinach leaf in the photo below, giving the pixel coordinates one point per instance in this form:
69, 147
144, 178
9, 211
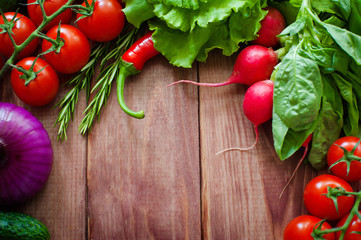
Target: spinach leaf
348, 41
351, 121
354, 21
298, 89
341, 8
329, 127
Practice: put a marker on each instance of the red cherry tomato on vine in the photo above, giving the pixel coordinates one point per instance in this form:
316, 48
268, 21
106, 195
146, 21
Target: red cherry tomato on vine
319, 205
50, 7
73, 55
355, 226
39, 91
301, 227
335, 153
1, 63
22, 29
106, 22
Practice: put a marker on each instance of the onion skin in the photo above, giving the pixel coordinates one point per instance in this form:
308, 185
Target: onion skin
26, 155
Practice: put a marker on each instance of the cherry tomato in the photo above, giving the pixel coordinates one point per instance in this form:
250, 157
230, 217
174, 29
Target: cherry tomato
301, 227
319, 205
73, 55
22, 29
50, 7
106, 22
335, 153
39, 91
1, 63
355, 226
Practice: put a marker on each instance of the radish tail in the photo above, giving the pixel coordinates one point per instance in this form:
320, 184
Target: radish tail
294, 172
243, 149
232, 79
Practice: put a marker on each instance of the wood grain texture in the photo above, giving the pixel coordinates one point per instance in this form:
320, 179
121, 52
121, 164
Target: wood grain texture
61, 204
160, 177
240, 189
143, 175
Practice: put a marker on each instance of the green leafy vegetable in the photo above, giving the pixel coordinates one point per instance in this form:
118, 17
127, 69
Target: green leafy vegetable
318, 80
185, 31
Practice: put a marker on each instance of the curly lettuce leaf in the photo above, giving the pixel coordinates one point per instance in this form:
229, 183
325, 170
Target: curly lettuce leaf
210, 12
183, 48
190, 4
138, 11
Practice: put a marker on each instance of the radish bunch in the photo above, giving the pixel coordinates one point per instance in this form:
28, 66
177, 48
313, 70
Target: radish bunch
253, 67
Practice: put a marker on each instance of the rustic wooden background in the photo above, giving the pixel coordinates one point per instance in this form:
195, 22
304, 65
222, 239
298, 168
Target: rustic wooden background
160, 177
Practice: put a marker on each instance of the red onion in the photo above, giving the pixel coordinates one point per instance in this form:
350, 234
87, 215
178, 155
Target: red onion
26, 154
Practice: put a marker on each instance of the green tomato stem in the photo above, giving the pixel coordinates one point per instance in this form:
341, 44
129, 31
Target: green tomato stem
33, 35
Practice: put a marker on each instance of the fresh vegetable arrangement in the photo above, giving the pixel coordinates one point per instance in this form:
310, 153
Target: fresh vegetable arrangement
302, 67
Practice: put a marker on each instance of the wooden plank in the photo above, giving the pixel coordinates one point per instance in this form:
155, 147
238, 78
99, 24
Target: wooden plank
61, 204
240, 189
144, 175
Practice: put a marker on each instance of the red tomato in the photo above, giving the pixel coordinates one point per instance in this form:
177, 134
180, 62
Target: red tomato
335, 153
1, 63
39, 91
301, 227
106, 22
73, 55
355, 226
22, 29
320, 205
50, 7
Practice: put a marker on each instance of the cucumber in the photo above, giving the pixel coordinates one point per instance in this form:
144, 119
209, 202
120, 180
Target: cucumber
11, 5
18, 226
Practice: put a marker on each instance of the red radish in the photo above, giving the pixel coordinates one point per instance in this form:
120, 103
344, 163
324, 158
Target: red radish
253, 64
257, 106
271, 26
305, 145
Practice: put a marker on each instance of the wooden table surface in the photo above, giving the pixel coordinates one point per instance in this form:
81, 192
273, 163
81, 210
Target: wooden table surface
160, 177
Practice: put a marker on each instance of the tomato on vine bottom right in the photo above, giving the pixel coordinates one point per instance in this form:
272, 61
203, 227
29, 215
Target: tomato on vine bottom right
330, 200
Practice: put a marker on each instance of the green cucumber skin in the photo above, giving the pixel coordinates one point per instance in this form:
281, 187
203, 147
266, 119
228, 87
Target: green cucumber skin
18, 226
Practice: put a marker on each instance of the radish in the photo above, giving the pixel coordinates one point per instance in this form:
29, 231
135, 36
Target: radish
257, 106
271, 26
305, 145
254, 63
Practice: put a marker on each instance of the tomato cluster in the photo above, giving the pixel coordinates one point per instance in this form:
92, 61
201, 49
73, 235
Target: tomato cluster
329, 198
65, 47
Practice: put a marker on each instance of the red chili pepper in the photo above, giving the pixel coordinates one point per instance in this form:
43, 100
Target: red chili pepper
133, 62
141, 51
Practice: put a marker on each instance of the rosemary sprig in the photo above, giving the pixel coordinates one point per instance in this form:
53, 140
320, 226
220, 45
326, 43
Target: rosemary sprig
105, 79
108, 57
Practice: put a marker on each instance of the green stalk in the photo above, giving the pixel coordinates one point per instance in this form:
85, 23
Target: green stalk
353, 212
33, 35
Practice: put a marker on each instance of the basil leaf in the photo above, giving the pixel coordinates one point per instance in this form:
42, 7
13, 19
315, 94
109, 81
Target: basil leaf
298, 90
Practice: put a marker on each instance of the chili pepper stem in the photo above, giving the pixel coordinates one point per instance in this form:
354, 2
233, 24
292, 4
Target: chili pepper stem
123, 73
